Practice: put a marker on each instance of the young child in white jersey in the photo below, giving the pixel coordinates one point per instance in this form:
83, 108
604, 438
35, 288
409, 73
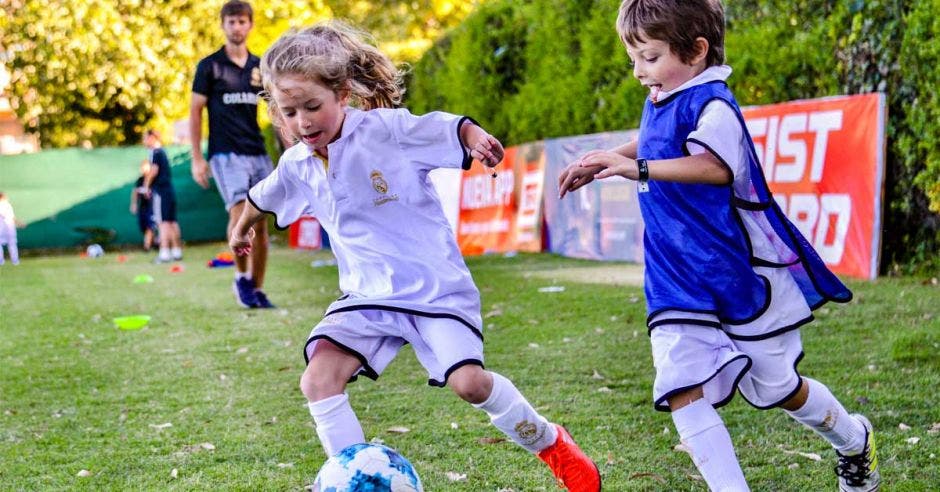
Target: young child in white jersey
728, 279
363, 172
8, 225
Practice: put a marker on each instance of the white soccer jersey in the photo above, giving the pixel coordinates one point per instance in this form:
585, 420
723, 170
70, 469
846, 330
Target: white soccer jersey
394, 247
7, 224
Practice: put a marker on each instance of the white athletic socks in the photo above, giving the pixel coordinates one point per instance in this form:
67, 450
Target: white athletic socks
164, 254
241, 275
337, 425
511, 413
702, 431
828, 418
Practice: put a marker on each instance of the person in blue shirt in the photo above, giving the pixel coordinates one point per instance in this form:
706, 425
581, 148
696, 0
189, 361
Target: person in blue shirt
158, 185
141, 207
729, 280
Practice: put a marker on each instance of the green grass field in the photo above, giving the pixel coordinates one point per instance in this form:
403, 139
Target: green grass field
130, 407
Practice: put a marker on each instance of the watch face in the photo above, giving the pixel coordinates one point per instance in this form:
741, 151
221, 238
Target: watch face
643, 176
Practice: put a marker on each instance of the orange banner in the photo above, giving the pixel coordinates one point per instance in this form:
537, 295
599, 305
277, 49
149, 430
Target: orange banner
824, 161
504, 213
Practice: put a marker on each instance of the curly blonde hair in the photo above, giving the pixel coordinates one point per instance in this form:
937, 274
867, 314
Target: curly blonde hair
338, 56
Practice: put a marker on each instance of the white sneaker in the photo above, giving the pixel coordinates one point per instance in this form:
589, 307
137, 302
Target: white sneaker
859, 473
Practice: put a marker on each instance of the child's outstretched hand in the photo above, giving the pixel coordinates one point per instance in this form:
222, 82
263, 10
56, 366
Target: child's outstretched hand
610, 164
241, 244
486, 149
596, 164
573, 177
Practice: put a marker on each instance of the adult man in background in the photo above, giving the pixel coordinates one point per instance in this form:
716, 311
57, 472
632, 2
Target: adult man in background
228, 82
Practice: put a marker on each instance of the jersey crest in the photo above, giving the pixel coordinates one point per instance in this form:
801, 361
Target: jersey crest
378, 182
380, 185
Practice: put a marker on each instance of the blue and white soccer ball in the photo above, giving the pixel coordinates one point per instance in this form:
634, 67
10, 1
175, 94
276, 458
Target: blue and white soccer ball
94, 251
367, 468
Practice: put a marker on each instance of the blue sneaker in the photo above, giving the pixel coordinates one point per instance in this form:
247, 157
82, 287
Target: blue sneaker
263, 302
244, 289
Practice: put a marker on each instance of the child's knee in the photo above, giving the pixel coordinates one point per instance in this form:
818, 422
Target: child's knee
471, 383
318, 385
328, 371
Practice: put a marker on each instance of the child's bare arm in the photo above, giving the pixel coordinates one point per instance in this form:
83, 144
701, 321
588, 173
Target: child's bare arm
133, 207
242, 233
150, 175
627, 150
700, 168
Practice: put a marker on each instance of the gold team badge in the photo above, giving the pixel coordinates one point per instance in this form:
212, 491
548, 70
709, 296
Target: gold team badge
256, 77
380, 185
378, 182
527, 431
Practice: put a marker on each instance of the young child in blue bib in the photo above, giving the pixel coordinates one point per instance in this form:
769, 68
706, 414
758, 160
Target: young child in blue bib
360, 166
729, 280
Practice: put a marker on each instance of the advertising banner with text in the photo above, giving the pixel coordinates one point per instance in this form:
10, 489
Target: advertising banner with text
824, 162
600, 221
823, 159
503, 213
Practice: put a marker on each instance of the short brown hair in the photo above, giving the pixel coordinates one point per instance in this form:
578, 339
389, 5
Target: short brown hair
236, 8
677, 22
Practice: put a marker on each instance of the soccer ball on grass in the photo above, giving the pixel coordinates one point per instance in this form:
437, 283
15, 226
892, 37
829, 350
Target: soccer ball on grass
94, 251
367, 467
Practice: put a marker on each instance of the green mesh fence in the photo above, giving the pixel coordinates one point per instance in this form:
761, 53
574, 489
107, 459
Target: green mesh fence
73, 197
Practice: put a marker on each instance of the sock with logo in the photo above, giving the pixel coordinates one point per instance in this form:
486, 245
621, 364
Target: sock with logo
511, 413
828, 418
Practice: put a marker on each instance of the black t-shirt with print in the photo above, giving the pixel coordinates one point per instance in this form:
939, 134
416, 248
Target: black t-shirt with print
232, 94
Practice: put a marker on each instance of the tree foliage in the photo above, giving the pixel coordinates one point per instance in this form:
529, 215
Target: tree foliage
98, 73
93, 71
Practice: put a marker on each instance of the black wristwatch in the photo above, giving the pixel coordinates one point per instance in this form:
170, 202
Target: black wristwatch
642, 181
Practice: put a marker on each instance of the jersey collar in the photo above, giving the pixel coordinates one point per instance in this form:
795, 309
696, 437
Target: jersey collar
710, 74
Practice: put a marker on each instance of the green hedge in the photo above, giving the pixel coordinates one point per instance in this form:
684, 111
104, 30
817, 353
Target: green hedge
538, 69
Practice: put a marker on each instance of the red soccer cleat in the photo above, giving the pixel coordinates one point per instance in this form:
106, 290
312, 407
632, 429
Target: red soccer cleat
574, 470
